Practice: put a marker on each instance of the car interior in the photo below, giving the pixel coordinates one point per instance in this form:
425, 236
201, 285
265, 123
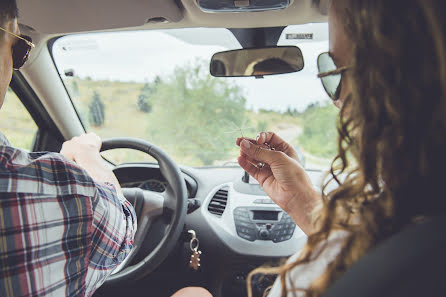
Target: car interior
118, 68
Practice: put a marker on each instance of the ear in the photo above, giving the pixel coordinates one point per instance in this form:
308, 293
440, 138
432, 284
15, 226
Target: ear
14, 26
11, 25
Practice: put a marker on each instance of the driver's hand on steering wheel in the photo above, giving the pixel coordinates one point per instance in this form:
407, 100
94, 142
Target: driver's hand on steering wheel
84, 144
84, 150
281, 176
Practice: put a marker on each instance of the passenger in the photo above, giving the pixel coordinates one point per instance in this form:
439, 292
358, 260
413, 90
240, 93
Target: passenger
392, 126
63, 216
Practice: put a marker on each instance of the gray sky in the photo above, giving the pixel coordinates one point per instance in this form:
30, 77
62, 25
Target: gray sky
141, 55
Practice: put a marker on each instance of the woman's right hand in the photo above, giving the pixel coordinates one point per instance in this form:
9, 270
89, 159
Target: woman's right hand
282, 177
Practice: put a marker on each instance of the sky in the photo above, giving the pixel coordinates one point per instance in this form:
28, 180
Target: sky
142, 55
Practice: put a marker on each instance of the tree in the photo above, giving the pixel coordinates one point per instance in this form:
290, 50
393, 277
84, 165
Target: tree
319, 131
144, 104
157, 80
146, 89
96, 111
197, 112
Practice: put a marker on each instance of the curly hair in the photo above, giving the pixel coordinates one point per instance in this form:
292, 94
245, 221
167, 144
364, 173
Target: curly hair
392, 132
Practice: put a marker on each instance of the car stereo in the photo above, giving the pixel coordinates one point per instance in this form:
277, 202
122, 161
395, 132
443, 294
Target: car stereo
263, 224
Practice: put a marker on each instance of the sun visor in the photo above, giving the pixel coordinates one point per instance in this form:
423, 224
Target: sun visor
56, 16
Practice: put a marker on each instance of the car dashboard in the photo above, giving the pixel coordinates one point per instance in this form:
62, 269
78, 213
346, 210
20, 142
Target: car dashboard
238, 225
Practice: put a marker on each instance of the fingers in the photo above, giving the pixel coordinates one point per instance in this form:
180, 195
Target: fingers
91, 138
84, 142
270, 140
239, 140
253, 141
256, 152
260, 174
274, 141
67, 152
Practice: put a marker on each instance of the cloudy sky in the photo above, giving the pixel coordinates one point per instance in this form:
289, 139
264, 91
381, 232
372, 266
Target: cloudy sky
141, 55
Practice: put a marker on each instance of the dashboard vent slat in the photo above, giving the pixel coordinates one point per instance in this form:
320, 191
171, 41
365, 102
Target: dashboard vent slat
218, 202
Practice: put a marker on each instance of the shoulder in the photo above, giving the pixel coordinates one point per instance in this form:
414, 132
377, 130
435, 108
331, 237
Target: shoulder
42, 173
302, 276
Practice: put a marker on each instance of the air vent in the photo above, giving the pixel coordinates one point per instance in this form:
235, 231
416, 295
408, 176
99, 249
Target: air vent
218, 202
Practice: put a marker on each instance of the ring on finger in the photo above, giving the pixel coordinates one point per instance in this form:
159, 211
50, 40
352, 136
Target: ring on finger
269, 146
260, 165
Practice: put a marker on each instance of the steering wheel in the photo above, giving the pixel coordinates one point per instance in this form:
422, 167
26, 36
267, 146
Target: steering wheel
148, 206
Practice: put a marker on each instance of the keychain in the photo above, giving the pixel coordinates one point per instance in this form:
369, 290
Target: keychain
266, 145
194, 243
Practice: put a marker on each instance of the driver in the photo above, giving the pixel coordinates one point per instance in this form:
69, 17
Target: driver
64, 223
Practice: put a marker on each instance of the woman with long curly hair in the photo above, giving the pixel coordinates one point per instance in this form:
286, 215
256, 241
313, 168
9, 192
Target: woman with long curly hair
391, 57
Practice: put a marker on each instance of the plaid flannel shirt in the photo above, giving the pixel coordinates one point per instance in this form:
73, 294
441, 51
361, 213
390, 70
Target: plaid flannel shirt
61, 233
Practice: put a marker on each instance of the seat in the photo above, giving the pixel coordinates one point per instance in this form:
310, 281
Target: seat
410, 263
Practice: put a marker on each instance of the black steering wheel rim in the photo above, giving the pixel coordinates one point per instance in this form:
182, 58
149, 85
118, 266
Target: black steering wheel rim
178, 204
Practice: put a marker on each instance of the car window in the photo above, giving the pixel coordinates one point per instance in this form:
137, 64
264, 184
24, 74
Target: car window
156, 85
16, 123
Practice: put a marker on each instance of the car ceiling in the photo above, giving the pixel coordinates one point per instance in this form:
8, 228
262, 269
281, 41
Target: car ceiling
61, 17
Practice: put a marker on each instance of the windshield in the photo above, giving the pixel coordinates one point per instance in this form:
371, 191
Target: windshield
155, 85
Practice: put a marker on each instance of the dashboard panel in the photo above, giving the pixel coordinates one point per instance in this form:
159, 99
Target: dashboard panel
249, 231
147, 176
265, 231
154, 185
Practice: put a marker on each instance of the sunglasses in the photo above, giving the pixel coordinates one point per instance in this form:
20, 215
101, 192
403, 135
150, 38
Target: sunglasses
20, 50
330, 75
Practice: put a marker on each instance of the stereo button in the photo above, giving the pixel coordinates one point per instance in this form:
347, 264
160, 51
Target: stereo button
264, 234
278, 227
246, 236
245, 224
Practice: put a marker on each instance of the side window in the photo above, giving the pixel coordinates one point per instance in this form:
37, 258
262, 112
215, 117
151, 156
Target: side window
16, 123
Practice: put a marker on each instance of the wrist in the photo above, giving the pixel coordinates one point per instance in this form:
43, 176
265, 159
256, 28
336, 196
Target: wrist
302, 208
305, 200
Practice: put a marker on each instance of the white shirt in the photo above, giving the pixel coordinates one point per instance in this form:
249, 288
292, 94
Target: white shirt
302, 276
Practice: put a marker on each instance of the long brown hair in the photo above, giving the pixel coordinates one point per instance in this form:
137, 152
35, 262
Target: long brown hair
392, 132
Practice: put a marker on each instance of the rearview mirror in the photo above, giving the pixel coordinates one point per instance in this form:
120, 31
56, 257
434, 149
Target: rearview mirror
257, 62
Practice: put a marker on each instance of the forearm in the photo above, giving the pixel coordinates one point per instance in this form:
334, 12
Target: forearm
97, 168
302, 210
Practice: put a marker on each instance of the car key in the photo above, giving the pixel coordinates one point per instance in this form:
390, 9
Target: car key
194, 243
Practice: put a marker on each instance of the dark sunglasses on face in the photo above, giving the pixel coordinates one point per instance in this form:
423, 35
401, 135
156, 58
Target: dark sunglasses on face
20, 50
330, 75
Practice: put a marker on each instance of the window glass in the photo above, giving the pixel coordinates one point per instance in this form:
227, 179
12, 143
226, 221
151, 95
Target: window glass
156, 85
16, 123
